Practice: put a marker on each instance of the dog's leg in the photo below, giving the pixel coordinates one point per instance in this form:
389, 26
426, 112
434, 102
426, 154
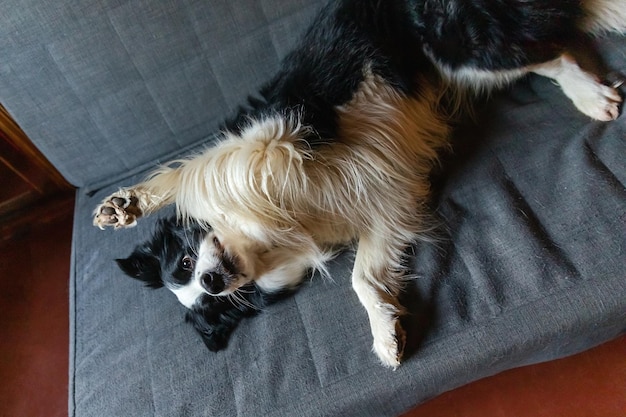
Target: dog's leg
377, 279
589, 95
124, 207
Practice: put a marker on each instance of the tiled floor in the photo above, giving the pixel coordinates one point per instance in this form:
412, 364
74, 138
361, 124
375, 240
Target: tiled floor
34, 273
590, 384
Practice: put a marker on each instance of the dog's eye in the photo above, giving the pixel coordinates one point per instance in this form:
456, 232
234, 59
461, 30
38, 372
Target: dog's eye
187, 263
216, 241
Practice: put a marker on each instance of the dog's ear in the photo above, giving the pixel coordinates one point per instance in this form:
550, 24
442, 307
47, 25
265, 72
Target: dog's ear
142, 266
214, 332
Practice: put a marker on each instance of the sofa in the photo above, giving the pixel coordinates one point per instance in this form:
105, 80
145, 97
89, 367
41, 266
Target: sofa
529, 263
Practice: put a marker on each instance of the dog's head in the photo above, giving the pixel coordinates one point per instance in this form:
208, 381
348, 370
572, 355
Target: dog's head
192, 263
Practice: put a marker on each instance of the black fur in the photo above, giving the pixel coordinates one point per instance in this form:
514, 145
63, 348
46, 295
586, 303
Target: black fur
496, 34
158, 263
398, 39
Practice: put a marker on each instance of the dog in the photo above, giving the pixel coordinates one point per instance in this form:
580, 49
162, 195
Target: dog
338, 147
169, 258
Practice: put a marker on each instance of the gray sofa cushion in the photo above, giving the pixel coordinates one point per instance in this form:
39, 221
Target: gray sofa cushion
529, 264
87, 76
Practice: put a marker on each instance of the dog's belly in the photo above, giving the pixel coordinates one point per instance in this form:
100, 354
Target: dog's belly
379, 164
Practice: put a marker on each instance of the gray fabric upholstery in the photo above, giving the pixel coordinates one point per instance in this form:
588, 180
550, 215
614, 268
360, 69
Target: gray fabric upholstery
86, 77
528, 266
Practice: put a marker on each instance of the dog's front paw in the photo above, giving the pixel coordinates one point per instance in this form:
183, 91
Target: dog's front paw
118, 210
389, 344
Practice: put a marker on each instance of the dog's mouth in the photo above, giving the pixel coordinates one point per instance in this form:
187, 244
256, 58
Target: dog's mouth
237, 297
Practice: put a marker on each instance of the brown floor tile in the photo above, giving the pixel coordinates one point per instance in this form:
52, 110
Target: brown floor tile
590, 384
34, 276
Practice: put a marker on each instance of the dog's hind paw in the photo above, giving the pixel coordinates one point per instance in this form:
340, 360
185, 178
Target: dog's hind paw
592, 97
118, 210
598, 101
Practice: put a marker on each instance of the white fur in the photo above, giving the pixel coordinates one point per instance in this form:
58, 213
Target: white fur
588, 94
479, 81
188, 294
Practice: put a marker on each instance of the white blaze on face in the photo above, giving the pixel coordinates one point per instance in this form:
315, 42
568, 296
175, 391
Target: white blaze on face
208, 260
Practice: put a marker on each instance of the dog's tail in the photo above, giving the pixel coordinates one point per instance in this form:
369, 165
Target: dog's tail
604, 16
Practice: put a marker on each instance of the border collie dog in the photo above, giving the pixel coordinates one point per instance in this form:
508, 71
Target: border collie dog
168, 259
339, 146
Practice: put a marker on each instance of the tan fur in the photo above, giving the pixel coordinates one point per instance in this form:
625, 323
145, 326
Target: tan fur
604, 16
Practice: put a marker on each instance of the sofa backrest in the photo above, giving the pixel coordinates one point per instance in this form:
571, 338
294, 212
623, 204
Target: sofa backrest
104, 88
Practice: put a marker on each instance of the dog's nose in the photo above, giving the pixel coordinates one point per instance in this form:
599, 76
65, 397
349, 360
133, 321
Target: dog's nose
212, 282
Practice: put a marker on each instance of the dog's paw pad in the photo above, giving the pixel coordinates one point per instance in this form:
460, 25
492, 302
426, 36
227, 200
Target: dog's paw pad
121, 202
117, 211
